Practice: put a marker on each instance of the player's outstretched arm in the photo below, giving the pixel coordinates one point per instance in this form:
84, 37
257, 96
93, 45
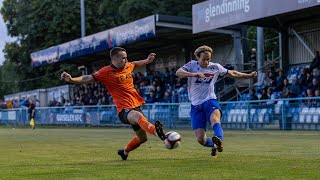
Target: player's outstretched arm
182, 73
77, 80
237, 74
144, 62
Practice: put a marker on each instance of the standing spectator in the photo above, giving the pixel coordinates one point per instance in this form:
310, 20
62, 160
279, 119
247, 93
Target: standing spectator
309, 78
16, 103
9, 104
315, 64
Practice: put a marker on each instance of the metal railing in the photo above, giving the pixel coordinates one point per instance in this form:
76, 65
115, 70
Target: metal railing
284, 114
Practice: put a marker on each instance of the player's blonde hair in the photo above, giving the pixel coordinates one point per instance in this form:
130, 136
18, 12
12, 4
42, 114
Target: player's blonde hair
202, 49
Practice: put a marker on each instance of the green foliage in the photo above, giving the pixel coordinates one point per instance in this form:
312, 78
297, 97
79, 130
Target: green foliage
39, 24
271, 41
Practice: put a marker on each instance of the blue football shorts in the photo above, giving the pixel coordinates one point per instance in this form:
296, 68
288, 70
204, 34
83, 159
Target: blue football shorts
201, 113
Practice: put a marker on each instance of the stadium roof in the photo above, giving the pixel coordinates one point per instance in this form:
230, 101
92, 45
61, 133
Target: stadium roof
285, 19
215, 14
138, 37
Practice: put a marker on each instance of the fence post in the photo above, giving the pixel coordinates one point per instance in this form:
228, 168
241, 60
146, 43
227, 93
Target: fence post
283, 115
248, 117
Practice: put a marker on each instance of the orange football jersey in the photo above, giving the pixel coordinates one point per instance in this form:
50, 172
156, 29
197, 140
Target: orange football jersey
119, 83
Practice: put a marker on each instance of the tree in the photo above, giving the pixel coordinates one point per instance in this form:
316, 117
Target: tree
40, 24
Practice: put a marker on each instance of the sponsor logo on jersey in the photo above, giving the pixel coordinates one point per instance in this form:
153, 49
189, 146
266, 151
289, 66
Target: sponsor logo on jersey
206, 80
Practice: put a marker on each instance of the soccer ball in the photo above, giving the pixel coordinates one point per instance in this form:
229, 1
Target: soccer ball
173, 140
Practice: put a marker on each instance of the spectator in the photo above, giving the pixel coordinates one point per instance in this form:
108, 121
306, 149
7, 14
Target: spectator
308, 102
253, 96
303, 78
271, 96
16, 103
9, 104
167, 97
280, 81
314, 85
159, 94
295, 88
151, 98
316, 102
315, 64
272, 83
285, 89
309, 78
264, 95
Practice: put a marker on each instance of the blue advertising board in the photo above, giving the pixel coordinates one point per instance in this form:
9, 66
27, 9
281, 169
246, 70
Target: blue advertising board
122, 35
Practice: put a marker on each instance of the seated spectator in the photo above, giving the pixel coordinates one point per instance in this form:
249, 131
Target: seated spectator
295, 88
151, 98
314, 85
167, 97
308, 102
104, 101
271, 96
264, 95
253, 96
285, 89
303, 78
159, 93
280, 81
316, 102
309, 78
272, 83
261, 80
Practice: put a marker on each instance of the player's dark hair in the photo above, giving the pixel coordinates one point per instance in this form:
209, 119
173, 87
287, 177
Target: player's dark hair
115, 51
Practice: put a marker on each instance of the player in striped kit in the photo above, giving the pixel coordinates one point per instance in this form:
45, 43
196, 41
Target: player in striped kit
202, 75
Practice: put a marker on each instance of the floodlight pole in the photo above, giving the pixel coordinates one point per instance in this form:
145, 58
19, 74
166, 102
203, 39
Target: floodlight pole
83, 26
260, 49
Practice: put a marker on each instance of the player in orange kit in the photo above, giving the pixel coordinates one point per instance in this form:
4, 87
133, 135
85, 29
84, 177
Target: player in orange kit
117, 77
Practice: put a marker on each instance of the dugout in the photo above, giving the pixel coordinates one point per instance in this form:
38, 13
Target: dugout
296, 21
169, 36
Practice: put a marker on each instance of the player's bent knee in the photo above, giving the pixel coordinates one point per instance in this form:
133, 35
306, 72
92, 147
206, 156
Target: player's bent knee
201, 141
143, 140
134, 116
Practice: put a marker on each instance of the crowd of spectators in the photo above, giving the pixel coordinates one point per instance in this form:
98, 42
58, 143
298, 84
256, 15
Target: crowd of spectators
19, 103
297, 82
165, 87
153, 86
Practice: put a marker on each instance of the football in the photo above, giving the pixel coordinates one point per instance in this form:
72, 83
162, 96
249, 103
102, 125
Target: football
173, 140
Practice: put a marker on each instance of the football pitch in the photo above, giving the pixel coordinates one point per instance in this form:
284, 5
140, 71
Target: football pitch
92, 154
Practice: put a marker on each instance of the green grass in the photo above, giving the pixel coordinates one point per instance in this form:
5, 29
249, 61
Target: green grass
91, 154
